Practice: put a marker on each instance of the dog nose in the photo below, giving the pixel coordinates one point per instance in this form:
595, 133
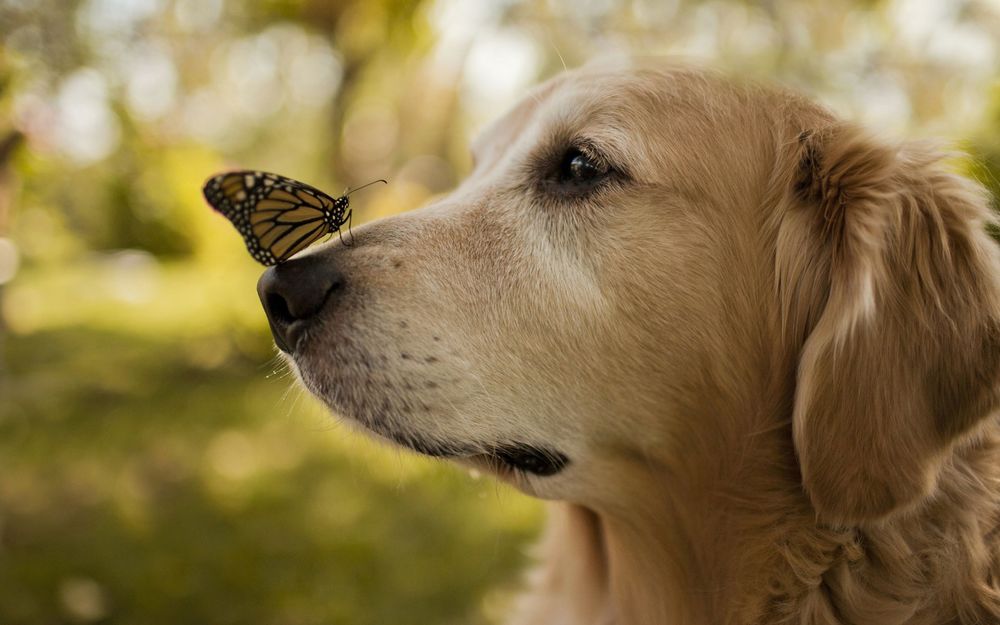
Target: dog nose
294, 292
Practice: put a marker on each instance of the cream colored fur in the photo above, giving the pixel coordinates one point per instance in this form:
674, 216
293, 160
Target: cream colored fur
771, 352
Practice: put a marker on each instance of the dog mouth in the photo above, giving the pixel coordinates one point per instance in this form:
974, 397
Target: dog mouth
539, 461
527, 458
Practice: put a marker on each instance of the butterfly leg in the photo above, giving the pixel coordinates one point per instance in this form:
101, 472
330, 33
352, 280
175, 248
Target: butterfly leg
340, 231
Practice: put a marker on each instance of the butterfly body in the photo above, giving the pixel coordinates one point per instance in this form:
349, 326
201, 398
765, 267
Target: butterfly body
276, 216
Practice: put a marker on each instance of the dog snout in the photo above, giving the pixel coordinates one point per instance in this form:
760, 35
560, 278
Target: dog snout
294, 292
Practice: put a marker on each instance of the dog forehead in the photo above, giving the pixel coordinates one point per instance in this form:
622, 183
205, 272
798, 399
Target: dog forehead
569, 99
501, 131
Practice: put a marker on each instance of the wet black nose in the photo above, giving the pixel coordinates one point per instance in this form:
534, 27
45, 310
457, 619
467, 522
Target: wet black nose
294, 292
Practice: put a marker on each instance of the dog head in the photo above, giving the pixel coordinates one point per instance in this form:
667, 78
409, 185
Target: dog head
632, 276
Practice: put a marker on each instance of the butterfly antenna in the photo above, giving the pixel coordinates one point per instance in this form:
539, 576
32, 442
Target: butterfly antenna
350, 191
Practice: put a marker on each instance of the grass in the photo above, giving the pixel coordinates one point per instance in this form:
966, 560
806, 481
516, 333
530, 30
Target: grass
154, 469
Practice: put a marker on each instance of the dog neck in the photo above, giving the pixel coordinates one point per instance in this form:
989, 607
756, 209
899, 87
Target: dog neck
685, 549
741, 545
712, 546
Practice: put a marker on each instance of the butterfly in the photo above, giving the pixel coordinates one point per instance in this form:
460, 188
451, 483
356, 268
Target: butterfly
276, 216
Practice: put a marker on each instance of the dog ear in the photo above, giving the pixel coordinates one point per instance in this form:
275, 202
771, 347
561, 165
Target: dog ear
885, 269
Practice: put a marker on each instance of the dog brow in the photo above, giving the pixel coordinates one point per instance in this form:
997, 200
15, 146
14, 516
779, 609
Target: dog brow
511, 123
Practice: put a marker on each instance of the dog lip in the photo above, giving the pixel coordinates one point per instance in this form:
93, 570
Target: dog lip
533, 459
539, 461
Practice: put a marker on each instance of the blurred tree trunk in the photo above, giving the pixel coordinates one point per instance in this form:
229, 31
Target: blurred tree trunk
7, 146
348, 82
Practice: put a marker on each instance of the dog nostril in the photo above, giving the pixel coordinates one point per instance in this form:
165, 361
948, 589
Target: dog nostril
278, 309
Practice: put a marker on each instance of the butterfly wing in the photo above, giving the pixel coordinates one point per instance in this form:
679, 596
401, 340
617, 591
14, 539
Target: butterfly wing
276, 216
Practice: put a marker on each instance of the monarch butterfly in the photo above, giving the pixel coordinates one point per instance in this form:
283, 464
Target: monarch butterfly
276, 216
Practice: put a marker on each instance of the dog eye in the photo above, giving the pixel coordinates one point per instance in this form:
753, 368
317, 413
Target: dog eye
581, 170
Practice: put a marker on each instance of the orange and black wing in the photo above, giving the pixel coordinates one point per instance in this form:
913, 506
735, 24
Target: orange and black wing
276, 216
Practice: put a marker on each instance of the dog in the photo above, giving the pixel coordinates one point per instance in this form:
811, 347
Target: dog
749, 351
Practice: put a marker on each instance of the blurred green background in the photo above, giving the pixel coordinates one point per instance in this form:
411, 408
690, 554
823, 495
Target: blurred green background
157, 463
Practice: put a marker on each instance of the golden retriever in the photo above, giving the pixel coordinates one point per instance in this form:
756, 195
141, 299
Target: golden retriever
749, 351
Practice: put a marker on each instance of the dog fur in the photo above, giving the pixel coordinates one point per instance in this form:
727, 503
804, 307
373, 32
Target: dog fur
769, 347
